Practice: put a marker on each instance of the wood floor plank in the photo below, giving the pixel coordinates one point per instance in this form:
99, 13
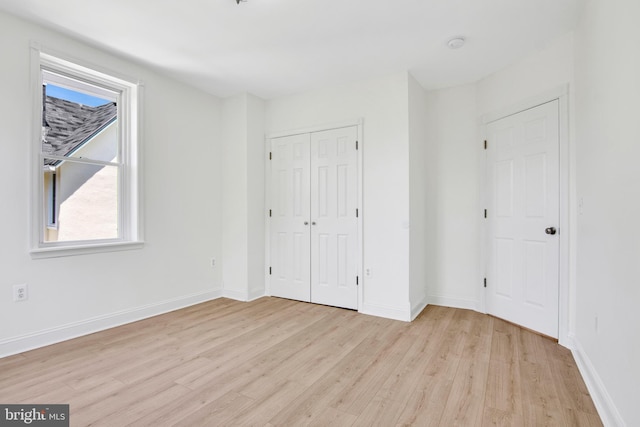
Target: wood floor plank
574, 418
572, 387
266, 335
312, 362
142, 400
276, 362
219, 412
385, 407
465, 404
497, 417
261, 362
355, 368
102, 389
333, 417
503, 396
182, 407
375, 359
283, 392
539, 398
466, 398
12, 362
426, 405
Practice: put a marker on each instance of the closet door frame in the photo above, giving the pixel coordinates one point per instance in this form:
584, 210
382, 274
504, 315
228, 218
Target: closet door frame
267, 182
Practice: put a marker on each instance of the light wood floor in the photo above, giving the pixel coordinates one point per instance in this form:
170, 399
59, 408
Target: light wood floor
283, 363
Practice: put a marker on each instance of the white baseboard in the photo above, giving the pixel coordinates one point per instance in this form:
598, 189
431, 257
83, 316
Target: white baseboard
445, 301
244, 296
255, 294
236, 295
417, 308
602, 400
46, 337
386, 311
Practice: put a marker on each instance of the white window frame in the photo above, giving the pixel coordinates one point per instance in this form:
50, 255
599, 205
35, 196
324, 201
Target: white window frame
129, 95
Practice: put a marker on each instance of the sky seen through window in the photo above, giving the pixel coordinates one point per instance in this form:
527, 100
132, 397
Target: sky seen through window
74, 96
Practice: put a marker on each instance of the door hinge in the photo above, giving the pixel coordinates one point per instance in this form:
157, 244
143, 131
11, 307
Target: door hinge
269, 212
485, 282
356, 212
356, 145
485, 213
269, 155
357, 281
485, 144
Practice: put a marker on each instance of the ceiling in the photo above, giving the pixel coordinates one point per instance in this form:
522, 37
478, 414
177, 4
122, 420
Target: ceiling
272, 48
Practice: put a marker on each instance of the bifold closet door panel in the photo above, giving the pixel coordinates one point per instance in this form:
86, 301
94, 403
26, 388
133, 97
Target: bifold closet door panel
290, 221
334, 228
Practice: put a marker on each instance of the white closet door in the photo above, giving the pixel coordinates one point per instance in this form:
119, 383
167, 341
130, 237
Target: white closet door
523, 172
333, 217
290, 225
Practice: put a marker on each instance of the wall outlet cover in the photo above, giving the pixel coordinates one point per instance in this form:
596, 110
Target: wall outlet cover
20, 292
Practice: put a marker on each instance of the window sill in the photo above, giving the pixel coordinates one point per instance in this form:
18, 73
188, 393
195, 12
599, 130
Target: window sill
84, 249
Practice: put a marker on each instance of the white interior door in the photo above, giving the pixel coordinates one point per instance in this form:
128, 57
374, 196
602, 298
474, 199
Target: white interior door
290, 218
334, 226
523, 215
313, 227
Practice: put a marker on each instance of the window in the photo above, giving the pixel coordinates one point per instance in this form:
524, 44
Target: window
85, 159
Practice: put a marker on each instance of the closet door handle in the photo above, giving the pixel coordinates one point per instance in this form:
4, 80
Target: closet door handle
313, 223
306, 223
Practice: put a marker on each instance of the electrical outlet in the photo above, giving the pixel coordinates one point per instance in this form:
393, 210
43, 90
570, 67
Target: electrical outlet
367, 272
213, 262
20, 292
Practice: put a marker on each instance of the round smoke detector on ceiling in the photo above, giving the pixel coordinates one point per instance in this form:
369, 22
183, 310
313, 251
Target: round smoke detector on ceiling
456, 43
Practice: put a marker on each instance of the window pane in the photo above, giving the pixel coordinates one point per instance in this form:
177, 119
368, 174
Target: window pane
81, 201
75, 124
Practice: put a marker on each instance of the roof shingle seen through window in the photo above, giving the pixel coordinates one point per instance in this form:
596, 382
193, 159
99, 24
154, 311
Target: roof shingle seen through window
69, 125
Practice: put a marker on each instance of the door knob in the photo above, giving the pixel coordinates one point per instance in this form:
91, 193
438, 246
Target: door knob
550, 230
306, 223
313, 223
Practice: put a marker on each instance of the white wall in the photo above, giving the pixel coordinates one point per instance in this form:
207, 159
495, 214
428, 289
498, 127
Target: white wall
256, 195
243, 197
182, 199
419, 175
383, 103
534, 75
454, 211
607, 332
234, 200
